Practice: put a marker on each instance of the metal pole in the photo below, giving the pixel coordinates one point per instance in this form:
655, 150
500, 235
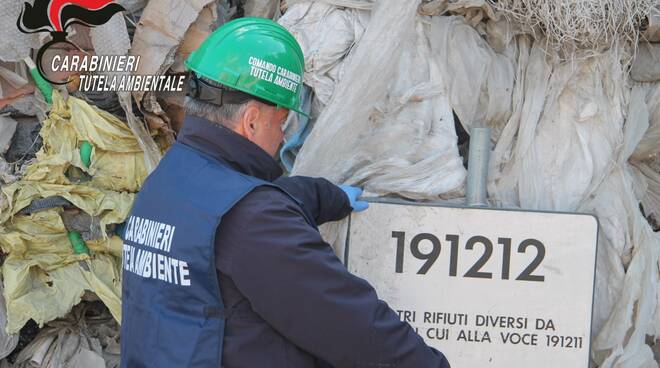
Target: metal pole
478, 167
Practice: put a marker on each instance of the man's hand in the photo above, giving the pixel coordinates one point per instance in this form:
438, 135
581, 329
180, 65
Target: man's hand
353, 193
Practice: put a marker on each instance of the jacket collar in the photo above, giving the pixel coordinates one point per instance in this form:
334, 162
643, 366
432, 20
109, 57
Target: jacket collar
225, 145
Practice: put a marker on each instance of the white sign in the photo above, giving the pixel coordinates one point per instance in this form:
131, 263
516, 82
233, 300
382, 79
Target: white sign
488, 288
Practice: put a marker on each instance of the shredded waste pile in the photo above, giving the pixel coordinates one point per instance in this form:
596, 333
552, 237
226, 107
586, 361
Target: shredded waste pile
570, 90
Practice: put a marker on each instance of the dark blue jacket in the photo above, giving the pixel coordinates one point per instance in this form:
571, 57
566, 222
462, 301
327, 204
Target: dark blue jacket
291, 302
172, 311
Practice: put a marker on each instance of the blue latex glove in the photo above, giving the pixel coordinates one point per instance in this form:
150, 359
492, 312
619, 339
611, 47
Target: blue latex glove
353, 193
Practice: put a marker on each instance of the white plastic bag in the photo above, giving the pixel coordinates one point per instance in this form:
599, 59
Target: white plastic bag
326, 35
479, 80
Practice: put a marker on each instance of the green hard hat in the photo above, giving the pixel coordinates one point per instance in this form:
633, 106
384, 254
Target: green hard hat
256, 56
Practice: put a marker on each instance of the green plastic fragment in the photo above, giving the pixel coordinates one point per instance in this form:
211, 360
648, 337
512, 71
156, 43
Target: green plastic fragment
44, 87
86, 153
77, 243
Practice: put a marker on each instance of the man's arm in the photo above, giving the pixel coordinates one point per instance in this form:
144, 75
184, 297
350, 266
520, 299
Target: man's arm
294, 281
323, 200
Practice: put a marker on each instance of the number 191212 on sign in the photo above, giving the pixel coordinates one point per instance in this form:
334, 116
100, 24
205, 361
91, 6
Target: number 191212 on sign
472, 244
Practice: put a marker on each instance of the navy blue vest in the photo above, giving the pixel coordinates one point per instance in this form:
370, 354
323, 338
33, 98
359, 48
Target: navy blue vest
172, 310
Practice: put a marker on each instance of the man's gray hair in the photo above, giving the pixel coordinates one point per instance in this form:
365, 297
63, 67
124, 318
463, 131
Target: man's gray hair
227, 114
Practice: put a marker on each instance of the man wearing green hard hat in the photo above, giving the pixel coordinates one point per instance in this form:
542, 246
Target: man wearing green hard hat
223, 262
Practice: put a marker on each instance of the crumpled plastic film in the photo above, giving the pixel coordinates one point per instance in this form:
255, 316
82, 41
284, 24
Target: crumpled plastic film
117, 161
33, 293
8, 342
43, 276
326, 35
111, 207
400, 138
566, 148
621, 340
42, 238
563, 103
479, 80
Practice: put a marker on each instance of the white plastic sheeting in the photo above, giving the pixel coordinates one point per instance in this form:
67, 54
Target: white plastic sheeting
479, 80
567, 149
571, 134
325, 34
390, 130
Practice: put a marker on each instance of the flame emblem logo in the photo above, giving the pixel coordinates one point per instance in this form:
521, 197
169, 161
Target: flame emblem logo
54, 16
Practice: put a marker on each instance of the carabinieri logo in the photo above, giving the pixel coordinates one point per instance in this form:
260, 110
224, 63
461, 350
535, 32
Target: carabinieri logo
54, 16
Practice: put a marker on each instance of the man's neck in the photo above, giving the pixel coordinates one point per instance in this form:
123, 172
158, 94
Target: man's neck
228, 146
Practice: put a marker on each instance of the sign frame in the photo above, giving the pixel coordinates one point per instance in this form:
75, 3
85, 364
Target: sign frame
448, 204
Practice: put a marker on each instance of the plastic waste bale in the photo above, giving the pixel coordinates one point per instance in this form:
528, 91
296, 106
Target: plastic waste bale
43, 276
117, 161
391, 81
400, 138
566, 148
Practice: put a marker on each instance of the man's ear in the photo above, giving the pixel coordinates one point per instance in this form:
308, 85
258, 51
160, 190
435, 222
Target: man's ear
249, 120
